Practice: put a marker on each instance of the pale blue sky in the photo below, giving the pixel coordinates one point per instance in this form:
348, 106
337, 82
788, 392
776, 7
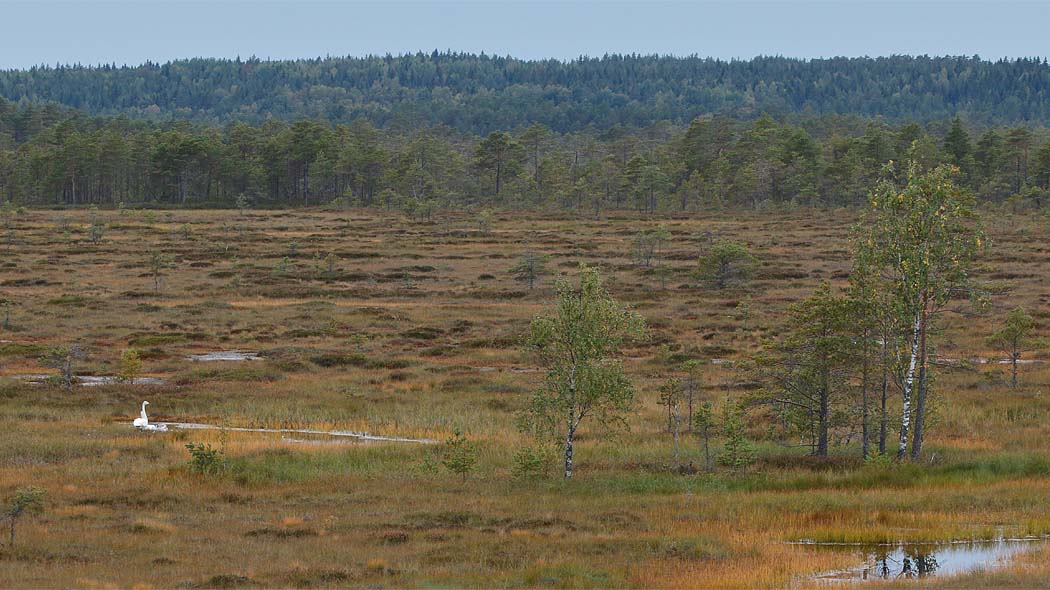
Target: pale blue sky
91, 32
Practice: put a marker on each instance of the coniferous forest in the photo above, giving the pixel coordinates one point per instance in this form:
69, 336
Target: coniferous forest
421, 133
480, 94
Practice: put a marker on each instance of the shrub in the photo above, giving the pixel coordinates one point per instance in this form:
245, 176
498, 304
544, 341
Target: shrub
130, 365
27, 500
461, 455
738, 452
647, 243
204, 460
532, 462
530, 267
727, 263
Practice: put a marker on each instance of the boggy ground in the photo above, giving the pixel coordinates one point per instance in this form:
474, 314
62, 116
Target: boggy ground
414, 331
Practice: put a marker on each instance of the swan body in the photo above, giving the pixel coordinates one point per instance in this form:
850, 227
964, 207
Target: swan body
142, 421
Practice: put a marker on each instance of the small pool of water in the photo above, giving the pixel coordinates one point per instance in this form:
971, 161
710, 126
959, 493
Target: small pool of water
90, 380
904, 561
225, 356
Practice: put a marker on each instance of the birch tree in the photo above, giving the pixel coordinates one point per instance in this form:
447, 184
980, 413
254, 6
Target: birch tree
578, 342
922, 240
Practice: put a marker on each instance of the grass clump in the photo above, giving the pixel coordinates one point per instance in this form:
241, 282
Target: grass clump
14, 349
244, 374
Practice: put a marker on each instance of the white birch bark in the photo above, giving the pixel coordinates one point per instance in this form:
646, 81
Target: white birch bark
909, 382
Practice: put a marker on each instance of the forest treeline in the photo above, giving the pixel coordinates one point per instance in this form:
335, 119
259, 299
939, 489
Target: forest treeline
51, 155
480, 94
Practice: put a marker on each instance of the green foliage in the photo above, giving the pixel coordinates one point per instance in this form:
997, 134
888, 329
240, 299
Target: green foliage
916, 246
429, 465
577, 343
712, 161
484, 221
477, 93
27, 500
927, 235
1011, 338
879, 461
738, 452
242, 202
500, 157
158, 262
703, 422
64, 358
461, 455
130, 365
530, 267
5, 310
671, 398
7, 213
204, 460
281, 267
725, 264
808, 369
532, 462
647, 243
743, 313
97, 228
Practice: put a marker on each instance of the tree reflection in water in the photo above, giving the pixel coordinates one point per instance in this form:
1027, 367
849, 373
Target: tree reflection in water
888, 562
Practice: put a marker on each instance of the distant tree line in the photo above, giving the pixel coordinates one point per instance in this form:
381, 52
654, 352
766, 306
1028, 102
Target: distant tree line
50, 155
480, 93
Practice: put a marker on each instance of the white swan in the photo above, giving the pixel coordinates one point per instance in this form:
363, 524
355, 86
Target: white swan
142, 421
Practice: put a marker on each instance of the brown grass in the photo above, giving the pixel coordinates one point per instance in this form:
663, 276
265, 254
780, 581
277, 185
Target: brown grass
123, 510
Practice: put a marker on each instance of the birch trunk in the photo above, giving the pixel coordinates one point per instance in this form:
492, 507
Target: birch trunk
865, 442
570, 426
920, 407
883, 417
568, 447
909, 381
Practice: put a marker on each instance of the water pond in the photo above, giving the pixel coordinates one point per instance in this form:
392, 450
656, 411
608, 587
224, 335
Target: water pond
225, 356
922, 560
90, 380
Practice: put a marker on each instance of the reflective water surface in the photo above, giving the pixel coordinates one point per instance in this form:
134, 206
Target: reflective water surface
903, 561
225, 356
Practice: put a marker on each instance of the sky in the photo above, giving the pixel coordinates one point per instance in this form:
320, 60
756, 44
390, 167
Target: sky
90, 32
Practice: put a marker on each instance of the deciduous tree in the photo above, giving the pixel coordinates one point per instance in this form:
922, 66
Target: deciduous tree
921, 241
578, 342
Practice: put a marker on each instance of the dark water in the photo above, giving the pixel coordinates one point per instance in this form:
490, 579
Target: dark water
893, 562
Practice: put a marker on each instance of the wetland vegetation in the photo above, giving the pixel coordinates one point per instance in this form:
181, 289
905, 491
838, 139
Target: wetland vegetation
419, 331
